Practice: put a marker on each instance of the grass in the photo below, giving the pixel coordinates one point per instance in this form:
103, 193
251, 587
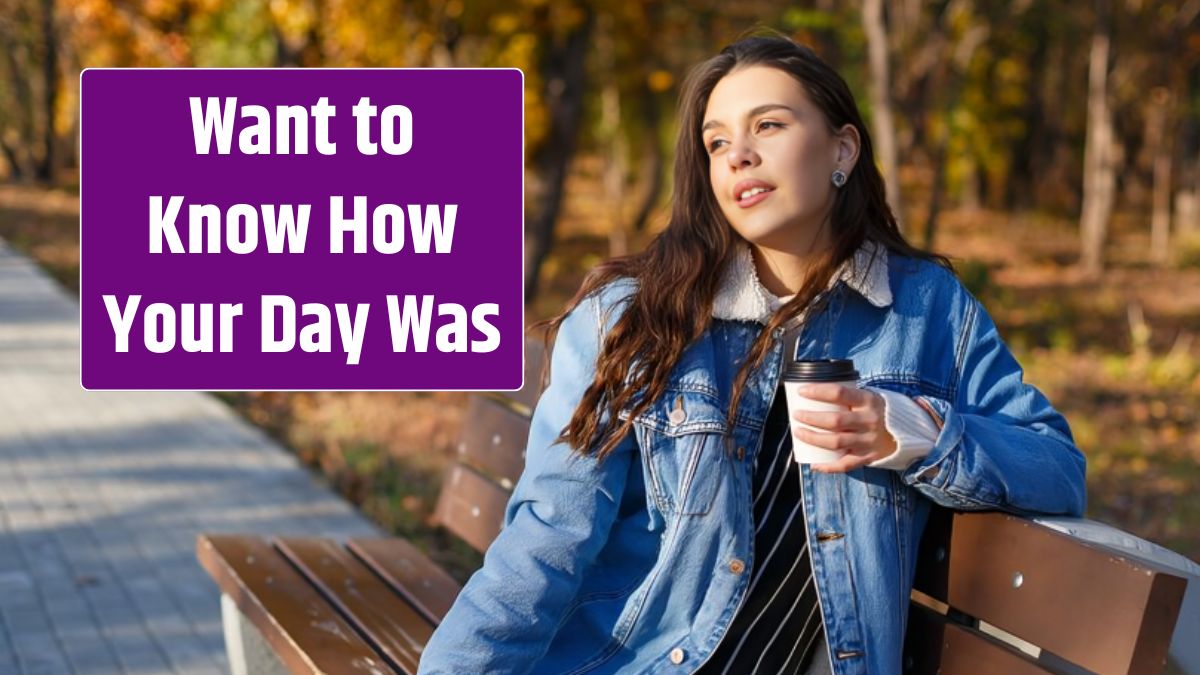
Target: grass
44, 225
1118, 356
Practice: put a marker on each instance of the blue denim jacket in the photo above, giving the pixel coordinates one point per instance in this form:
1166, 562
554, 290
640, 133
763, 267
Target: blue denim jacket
626, 565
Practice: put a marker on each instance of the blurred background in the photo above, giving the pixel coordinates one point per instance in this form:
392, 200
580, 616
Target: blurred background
1051, 147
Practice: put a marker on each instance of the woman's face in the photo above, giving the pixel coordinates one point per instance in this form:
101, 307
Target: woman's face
771, 154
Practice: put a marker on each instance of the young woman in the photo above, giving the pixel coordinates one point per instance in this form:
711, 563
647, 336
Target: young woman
661, 524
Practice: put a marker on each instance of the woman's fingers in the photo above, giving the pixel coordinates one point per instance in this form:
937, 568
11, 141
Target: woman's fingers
849, 462
841, 440
840, 420
858, 431
859, 449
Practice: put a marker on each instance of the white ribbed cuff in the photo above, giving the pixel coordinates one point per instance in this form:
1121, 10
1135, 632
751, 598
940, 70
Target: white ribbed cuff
914, 430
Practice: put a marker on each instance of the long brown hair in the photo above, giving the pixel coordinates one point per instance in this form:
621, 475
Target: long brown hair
678, 274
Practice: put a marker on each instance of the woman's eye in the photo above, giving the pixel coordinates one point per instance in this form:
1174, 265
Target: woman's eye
714, 144
769, 125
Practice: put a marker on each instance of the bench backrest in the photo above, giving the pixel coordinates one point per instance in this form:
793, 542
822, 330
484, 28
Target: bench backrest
993, 593
490, 455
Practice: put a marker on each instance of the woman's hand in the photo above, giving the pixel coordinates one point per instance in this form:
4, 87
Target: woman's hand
859, 431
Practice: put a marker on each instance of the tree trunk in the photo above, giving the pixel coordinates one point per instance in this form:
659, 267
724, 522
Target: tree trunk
935, 196
18, 59
16, 172
1032, 153
1187, 210
1161, 153
1186, 221
563, 69
881, 101
907, 24
825, 42
610, 136
652, 160
1052, 161
972, 199
46, 170
951, 84
308, 51
69, 155
614, 185
1099, 177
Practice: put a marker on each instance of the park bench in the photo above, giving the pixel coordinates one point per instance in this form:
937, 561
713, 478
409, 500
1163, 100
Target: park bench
994, 593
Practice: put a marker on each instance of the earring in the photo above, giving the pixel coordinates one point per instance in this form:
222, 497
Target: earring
838, 178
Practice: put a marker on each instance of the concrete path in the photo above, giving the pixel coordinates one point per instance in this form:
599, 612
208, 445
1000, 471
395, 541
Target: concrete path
102, 495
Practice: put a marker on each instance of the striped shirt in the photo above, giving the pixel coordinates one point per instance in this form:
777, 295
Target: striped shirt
778, 628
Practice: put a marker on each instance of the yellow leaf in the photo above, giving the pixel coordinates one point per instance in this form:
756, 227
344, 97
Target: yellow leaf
660, 80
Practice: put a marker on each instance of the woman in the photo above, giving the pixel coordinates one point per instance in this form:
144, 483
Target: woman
661, 524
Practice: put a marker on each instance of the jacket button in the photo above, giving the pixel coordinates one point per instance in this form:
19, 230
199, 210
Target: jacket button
676, 656
737, 566
930, 473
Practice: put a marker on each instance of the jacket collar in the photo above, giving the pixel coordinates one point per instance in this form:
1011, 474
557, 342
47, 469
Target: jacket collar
742, 297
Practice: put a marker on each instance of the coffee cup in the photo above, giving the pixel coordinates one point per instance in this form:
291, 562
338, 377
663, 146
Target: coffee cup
797, 373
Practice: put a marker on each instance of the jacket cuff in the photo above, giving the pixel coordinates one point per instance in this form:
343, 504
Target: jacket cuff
911, 425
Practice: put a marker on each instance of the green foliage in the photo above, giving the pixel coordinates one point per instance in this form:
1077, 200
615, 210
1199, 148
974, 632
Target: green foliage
799, 18
837, 36
976, 276
238, 36
1187, 251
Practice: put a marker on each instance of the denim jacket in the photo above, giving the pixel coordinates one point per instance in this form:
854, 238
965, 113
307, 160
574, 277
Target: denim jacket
638, 563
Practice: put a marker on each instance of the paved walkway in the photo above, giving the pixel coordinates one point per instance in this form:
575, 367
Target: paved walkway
102, 495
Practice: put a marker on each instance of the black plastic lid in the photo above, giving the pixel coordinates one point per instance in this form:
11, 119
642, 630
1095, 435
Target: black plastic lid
820, 370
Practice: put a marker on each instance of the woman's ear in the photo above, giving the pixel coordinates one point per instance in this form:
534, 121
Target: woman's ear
848, 144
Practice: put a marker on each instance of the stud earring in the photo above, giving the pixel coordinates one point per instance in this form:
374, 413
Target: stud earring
838, 178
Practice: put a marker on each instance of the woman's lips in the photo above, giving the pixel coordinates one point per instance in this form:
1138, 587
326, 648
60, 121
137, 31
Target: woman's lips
753, 199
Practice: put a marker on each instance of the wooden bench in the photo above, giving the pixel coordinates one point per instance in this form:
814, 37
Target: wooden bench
994, 593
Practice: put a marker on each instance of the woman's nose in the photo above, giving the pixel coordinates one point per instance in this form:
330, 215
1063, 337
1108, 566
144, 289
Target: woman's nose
742, 154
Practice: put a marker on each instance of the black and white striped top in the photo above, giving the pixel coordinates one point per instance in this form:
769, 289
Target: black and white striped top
778, 628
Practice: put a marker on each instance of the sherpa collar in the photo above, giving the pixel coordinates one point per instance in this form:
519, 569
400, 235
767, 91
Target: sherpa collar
742, 297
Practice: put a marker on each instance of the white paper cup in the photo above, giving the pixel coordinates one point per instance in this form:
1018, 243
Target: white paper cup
800, 373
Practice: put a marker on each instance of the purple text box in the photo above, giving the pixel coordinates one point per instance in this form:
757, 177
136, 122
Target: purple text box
461, 159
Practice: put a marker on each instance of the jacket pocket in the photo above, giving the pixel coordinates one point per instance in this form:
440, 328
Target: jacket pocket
877, 483
682, 437
593, 596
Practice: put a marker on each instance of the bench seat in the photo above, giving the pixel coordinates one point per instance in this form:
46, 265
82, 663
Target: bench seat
323, 606
994, 594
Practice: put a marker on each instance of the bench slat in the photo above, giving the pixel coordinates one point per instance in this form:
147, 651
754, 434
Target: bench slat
471, 506
936, 645
391, 624
1051, 590
493, 440
410, 573
308, 635
527, 396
